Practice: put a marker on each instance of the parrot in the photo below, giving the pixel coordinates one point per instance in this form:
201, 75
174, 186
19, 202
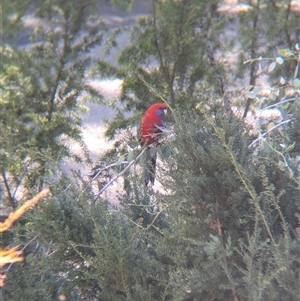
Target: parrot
150, 133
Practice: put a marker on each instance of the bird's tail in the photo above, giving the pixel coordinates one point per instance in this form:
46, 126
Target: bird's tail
150, 165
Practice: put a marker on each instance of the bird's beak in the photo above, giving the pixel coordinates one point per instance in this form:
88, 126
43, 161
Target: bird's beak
165, 111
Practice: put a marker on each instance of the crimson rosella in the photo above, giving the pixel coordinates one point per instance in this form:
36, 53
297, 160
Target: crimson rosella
150, 133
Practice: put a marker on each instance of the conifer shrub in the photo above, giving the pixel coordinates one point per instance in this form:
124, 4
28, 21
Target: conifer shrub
225, 226
234, 213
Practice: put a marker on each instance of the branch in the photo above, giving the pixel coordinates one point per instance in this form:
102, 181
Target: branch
261, 136
160, 56
19, 212
17, 253
97, 171
119, 174
276, 104
10, 256
156, 217
241, 174
10, 197
154, 91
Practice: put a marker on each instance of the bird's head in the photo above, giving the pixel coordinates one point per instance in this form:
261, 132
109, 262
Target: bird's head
159, 109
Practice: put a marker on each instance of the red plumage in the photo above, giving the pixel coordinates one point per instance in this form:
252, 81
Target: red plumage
150, 133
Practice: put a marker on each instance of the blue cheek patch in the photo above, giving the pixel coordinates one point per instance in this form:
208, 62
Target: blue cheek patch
159, 112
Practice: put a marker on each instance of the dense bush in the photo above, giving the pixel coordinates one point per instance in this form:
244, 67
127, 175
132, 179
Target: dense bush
225, 225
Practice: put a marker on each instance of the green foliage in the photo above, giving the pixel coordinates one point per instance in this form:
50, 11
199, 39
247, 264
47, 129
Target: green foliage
226, 225
84, 251
278, 135
11, 16
179, 50
233, 215
280, 29
228, 229
42, 86
168, 56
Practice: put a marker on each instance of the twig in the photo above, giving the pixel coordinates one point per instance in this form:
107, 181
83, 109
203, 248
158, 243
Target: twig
10, 197
278, 103
18, 253
10, 256
140, 76
19, 212
268, 59
156, 217
271, 106
100, 170
119, 174
283, 158
241, 174
261, 136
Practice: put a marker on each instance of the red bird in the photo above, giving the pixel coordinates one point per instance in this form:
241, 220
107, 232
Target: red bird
150, 132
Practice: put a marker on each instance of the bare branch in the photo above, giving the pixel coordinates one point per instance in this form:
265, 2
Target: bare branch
119, 174
10, 197
261, 136
97, 171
